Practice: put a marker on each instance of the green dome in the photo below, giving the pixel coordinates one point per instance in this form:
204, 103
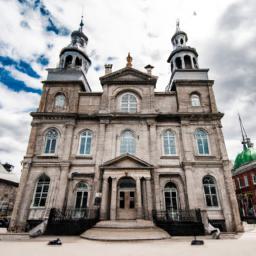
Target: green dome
247, 156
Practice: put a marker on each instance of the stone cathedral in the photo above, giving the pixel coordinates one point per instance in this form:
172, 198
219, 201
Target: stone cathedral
127, 151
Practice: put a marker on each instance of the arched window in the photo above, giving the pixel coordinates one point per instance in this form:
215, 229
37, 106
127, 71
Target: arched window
181, 41
60, 100
178, 63
195, 100
68, 61
81, 196
169, 143
128, 103
127, 144
78, 62
51, 141
202, 142
41, 191
85, 143
171, 200
210, 191
187, 61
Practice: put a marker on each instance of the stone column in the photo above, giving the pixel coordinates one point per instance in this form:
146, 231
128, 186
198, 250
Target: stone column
62, 185
15, 225
212, 99
149, 197
190, 187
182, 62
104, 201
69, 131
154, 160
144, 199
99, 155
113, 199
32, 140
192, 62
138, 198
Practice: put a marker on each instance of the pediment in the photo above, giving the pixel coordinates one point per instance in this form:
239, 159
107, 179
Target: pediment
128, 75
126, 161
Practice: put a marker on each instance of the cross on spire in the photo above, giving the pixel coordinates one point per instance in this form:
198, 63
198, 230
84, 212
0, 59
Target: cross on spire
81, 24
178, 25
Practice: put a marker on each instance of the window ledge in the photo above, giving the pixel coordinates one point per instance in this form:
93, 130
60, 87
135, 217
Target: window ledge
205, 156
48, 156
213, 208
83, 157
170, 157
37, 207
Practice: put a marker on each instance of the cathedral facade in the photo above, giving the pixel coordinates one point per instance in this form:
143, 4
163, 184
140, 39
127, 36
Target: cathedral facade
128, 150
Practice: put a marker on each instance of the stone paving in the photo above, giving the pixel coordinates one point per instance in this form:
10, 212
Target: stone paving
244, 244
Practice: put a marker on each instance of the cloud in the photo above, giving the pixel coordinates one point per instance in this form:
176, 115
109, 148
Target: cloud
15, 123
34, 32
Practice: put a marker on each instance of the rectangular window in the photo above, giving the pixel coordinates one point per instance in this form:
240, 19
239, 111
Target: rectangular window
254, 178
131, 206
246, 184
121, 200
239, 183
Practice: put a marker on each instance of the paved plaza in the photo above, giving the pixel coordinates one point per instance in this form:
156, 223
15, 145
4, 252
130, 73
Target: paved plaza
243, 244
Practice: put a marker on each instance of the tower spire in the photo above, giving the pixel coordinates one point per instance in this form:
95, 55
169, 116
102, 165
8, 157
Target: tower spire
245, 140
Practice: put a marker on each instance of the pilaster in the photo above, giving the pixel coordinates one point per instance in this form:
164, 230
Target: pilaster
113, 199
138, 197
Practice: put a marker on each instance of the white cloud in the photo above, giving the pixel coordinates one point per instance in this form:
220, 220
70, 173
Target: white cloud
15, 124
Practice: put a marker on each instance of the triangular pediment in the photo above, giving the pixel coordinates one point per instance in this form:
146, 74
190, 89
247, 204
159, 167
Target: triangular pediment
128, 75
126, 161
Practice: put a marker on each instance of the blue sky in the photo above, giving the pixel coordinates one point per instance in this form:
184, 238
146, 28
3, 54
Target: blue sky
34, 31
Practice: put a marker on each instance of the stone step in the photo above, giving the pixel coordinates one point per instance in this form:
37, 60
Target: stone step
125, 234
126, 224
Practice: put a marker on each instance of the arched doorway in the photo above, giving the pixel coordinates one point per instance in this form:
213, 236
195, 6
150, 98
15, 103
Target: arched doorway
171, 200
126, 209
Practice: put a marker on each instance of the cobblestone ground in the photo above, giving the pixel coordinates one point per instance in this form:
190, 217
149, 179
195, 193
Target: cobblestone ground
244, 244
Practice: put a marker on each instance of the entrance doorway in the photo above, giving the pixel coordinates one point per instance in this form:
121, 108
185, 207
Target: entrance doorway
126, 209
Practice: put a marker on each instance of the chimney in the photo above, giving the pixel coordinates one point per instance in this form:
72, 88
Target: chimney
108, 69
149, 69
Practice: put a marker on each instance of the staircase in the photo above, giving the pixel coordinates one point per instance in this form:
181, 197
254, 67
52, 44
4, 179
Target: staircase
126, 230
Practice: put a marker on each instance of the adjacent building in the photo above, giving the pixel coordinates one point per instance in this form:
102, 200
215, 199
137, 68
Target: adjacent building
129, 149
8, 189
244, 177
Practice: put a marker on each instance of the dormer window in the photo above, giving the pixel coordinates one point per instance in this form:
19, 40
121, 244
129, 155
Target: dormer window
128, 103
195, 100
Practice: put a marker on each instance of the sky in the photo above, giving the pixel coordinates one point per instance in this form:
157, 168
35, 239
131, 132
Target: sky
34, 31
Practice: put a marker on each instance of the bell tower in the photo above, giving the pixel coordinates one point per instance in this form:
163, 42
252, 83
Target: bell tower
192, 86
73, 61
182, 56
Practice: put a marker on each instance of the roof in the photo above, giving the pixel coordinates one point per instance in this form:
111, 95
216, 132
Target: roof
247, 156
8, 176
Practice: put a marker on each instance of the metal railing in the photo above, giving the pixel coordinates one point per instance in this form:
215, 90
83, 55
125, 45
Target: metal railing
177, 215
73, 214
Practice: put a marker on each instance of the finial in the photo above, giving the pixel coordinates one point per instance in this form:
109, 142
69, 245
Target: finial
129, 61
81, 24
178, 25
